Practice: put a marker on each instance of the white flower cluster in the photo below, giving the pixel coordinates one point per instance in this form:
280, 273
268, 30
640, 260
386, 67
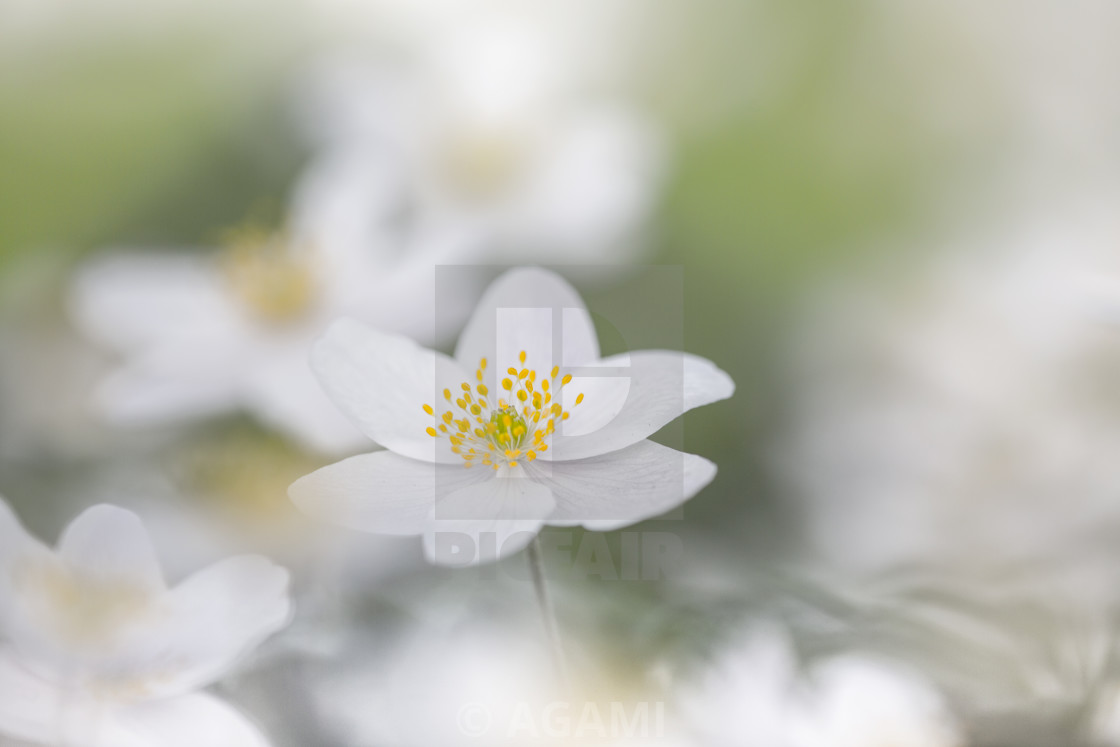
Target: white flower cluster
480, 143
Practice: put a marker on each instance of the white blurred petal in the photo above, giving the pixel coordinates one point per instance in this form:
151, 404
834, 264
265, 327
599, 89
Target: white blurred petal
184, 721
29, 706
108, 545
284, 394
131, 300
34, 710
743, 700
856, 702
216, 616
592, 191
188, 379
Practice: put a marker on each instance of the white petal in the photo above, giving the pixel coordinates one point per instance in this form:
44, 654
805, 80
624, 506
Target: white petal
185, 721
520, 312
31, 709
659, 387
618, 489
109, 545
132, 300
380, 492
382, 382
284, 394
856, 701
488, 521
592, 190
25, 600
341, 205
184, 380
216, 616
29, 706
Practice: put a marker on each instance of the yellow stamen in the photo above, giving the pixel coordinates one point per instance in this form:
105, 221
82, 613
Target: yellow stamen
508, 434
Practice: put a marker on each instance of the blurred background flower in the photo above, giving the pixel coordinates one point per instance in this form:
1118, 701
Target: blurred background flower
896, 229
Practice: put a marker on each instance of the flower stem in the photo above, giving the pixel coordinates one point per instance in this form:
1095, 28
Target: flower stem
536, 569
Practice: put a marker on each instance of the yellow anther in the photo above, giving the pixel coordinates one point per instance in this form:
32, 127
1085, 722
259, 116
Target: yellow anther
566, 380
521, 357
506, 429
511, 371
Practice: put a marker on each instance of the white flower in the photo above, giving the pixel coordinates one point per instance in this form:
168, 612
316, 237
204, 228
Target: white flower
754, 697
524, 427
445, 685
470, 681
855, 701
486, 142
101, 653
210, 334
